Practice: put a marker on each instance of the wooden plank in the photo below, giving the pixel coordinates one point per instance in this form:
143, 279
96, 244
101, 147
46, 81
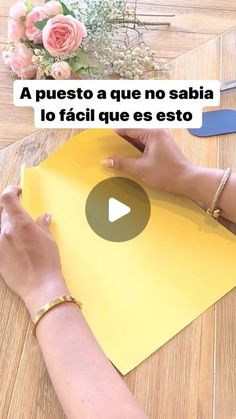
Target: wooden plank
6, 98
13, 332
225, 406
198, 4
225, 386
189, 19
33, 394
178, 42
150, 7
3, 29
10, 129
175, 382
4, 8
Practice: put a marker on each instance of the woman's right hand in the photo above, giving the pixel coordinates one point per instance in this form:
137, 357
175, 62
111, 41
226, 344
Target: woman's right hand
29, 257
162, 165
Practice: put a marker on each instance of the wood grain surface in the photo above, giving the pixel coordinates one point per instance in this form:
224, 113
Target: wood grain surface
195, 22
193, 376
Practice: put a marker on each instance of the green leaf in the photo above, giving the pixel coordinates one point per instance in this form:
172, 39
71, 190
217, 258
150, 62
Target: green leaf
81, 64
81, 72
83, 58
67, 11
94, 71
41, 23
77, 66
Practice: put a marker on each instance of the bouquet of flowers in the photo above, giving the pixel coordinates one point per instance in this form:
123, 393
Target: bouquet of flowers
96, 39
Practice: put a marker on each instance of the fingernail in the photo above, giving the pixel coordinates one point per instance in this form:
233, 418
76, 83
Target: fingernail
107, 163
48, 218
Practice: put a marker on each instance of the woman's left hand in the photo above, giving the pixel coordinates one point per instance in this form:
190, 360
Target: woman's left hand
29, 257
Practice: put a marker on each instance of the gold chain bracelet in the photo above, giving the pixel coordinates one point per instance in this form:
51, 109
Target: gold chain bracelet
212, 210
49, 306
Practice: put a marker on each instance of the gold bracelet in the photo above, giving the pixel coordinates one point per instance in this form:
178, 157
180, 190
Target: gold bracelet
49, 306
212, 210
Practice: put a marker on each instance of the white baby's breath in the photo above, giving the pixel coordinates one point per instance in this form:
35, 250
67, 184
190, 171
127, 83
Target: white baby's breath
113, 41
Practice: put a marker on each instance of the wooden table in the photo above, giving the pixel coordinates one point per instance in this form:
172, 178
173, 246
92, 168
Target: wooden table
194, 375
193, 24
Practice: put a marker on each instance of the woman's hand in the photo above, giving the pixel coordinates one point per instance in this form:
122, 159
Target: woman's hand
162, 165
29, 257
84, 380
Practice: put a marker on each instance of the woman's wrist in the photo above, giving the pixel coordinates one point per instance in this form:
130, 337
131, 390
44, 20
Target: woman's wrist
200, 184
49, 289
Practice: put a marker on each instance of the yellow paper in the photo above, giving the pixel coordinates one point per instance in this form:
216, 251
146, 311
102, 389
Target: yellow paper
137, 294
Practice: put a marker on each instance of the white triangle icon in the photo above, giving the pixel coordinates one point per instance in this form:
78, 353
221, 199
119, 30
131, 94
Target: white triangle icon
117, 210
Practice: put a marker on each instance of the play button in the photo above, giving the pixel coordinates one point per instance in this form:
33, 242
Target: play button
118, 209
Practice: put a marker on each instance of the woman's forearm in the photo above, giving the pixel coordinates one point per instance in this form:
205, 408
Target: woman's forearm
85, 382
200, 185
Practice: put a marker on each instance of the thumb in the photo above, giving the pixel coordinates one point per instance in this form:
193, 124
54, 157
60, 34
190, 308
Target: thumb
128, 165
44, 220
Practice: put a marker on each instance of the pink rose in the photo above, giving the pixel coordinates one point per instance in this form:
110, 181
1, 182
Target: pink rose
63, 35
61, 70
21, 62
18, 10
16, 30
53, 8
34, 34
